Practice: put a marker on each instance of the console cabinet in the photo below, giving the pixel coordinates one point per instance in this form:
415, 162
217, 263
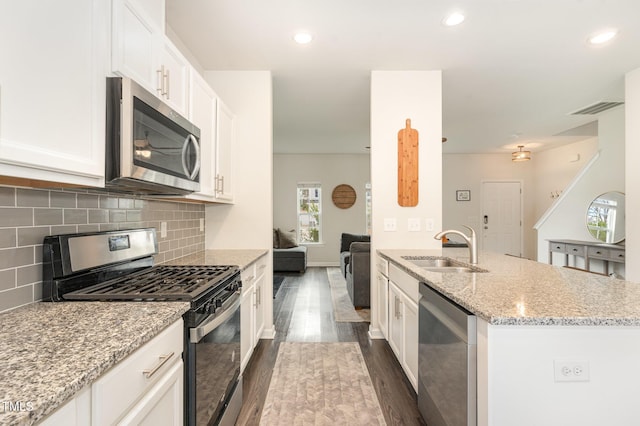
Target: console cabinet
573, 249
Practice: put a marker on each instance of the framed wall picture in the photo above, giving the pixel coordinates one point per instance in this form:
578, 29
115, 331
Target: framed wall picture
463, 195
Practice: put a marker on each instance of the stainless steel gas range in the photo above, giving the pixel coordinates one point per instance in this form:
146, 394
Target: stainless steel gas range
118, 266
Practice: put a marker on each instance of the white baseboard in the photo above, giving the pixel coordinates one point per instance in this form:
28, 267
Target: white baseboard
323, 264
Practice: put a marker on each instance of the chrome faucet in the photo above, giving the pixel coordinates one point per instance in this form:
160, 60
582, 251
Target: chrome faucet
471, 241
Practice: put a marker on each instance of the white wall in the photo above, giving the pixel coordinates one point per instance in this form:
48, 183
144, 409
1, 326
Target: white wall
396, 96
468, 171
330, 170
632, 172
548, 171
246, 224
606, 174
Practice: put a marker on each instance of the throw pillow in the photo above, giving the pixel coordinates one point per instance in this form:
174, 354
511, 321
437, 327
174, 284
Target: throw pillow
276, 239
287, 239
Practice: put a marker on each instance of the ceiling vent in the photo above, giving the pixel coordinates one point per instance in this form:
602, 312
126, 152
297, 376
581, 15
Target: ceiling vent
596, 108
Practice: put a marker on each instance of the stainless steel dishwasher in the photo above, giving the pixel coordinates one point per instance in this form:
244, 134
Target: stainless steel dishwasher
446, 361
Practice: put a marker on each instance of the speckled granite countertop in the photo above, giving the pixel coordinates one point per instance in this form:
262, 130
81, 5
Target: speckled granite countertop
523, 292
240, 257
50, 351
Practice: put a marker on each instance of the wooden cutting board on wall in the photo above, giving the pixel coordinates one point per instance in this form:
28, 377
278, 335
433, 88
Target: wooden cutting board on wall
408, 166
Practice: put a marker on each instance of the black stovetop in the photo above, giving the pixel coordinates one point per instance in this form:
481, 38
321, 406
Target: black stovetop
163, 282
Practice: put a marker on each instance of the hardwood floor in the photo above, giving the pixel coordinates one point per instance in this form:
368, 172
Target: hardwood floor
302, 312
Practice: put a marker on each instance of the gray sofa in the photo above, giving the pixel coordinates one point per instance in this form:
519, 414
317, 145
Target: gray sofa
292, 259
355, 261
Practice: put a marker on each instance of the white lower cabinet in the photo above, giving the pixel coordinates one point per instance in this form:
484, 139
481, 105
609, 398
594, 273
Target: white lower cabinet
146, 388
403, 322
382, 286
76, 412
252, 308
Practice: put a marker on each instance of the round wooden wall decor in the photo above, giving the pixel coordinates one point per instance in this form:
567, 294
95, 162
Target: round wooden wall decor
343, 196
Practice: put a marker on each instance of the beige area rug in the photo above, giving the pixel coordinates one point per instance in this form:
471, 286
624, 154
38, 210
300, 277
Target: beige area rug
343, 310
321, 384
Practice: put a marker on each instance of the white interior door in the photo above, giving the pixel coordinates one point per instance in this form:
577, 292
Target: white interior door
502, 217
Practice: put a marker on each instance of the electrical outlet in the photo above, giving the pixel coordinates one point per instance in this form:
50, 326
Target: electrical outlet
201, 225
571, 371
163, 229
390, 224
413, 224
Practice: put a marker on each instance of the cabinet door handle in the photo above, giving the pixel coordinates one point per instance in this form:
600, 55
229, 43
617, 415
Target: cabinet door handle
160, 85
163, 360
166, 84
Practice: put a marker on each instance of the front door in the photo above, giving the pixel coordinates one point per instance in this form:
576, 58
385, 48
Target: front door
502, 217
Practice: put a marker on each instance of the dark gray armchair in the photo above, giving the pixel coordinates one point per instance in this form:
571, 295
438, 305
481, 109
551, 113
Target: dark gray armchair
359, 275
345, 244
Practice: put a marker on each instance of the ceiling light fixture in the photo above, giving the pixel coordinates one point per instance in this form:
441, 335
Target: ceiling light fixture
455, 18
303, 38
521, 155
602, 37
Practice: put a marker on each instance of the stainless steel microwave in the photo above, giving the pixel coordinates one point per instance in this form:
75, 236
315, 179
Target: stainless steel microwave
151, 149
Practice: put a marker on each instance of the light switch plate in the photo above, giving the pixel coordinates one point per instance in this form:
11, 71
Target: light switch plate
201, 224
163, 229
390, 224
429, 224
413, 224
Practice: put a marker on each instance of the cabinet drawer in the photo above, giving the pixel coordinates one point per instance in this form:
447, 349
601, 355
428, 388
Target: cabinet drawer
382, 265
598, 252
575, 250
616, 255
248, 277
125, 383
261, 266
558, 247
405, 282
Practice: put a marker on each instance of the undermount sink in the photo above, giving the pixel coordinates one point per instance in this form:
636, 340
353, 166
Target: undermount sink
441, 264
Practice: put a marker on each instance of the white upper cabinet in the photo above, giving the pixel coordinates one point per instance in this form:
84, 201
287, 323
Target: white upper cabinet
202, 109
225, 144
141, 51
173, 77
133, 49
53, 65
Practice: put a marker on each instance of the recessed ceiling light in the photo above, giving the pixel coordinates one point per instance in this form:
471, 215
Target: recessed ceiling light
303, 38
452, 19
602, 37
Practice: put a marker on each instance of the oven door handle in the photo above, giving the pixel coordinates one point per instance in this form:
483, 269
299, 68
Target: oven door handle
214, 320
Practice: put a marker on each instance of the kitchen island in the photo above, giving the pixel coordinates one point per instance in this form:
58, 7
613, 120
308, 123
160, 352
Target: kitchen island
534, 316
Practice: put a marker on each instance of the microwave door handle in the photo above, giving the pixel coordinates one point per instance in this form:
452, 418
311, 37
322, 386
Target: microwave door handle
191, 174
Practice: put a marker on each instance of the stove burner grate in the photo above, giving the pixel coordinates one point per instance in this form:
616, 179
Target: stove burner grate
161, 282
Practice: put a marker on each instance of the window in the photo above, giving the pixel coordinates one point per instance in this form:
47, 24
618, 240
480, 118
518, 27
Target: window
309, 213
